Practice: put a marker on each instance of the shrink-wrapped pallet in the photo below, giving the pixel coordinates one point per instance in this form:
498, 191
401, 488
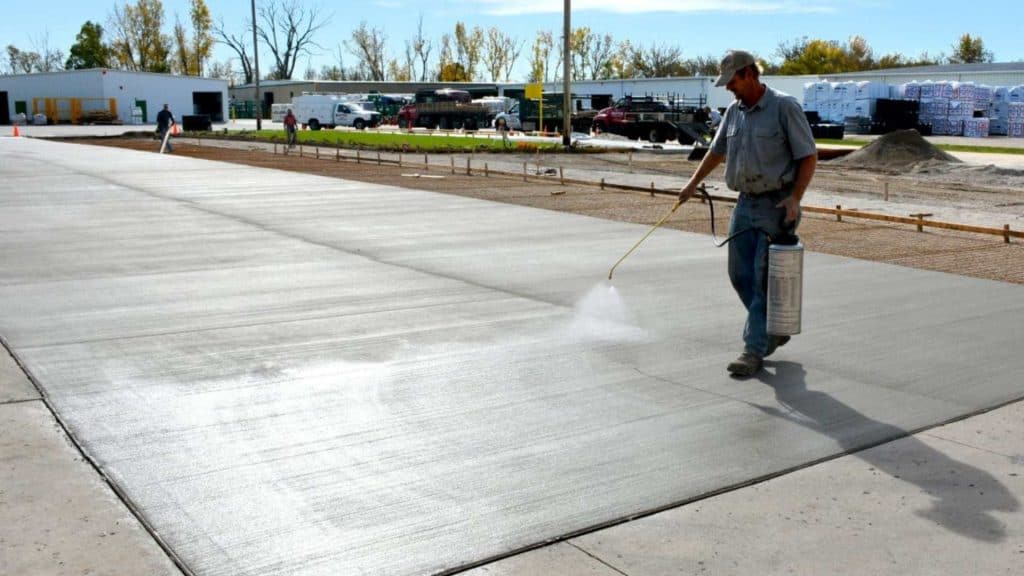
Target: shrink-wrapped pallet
1016, 130
810, 93
909, 91
823, 91
1015, 94
958, 109
871, 91
962, 91
976, 127
935, 107
1000, 110
998, 127
1000, 94
982, 96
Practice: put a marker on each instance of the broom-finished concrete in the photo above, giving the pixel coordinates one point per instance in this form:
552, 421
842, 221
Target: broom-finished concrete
292, 374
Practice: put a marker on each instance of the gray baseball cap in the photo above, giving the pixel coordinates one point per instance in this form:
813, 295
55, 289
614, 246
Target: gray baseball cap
732, 61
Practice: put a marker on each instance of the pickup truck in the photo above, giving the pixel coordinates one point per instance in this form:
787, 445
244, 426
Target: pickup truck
326, 111
654, 120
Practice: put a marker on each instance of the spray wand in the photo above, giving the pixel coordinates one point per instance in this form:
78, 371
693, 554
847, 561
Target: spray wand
637, 245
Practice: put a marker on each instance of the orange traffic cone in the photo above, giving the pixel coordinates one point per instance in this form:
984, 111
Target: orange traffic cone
174, 131
16, 131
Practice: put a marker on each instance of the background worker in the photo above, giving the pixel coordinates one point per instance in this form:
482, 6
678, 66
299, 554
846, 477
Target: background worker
290, 127
770, 158
164, 121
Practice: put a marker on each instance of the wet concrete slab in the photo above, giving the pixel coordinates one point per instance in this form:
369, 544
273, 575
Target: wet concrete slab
290, 373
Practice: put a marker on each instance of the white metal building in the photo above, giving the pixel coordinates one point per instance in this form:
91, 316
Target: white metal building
131, 97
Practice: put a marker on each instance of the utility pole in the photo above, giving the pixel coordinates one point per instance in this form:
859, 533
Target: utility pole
256, 69
566, 67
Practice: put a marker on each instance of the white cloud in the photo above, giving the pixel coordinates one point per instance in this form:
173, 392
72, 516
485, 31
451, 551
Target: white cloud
516, 7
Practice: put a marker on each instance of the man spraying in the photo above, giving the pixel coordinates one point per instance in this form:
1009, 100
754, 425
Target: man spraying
164, 122
770, 158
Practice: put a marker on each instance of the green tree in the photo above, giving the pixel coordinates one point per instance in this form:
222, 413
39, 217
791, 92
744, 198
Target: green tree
88, 51
138, 41
969, 50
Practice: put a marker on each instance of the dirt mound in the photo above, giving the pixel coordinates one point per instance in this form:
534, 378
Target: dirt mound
895, 150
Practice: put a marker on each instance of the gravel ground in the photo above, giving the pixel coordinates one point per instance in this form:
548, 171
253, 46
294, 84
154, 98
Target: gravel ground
978, 255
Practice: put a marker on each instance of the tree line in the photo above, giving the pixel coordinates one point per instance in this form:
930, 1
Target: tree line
135, 39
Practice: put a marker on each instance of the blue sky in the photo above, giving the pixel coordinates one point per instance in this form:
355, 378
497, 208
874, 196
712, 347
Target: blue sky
699, 27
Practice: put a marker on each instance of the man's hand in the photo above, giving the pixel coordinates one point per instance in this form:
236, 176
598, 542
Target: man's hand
792, 206
687, 191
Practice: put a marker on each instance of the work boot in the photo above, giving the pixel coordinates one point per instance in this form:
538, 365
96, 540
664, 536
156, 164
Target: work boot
775, 342
746, 365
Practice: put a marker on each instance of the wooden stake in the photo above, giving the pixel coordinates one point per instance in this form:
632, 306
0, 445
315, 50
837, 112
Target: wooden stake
426, 164
337, 154
487, 172
524, 171
357, 156
839, 214
602, 183
399, 159
378, 158
317, 152
452, 158
561, 176
469, 169
886, 191
1006, 233
652, 189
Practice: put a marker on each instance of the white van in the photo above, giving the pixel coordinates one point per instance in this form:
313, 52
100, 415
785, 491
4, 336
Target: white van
326, 111
278, 111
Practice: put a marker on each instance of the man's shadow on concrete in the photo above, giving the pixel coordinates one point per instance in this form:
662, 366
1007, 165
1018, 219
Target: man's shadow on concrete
963, 497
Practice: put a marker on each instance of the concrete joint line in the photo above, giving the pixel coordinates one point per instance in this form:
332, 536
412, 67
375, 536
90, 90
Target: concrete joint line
118, 492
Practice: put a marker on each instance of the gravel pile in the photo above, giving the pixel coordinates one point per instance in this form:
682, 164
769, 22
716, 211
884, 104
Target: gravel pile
896, 150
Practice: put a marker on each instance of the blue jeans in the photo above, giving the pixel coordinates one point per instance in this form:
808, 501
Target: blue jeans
748, 261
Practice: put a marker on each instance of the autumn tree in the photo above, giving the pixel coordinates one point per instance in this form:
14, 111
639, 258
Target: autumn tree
23, 62
138, 40
500, 54
600, 56
702, 65
468, 49
202, 34
656, 61
969, 50
367, 45
540, 52
287, 30
88, 51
